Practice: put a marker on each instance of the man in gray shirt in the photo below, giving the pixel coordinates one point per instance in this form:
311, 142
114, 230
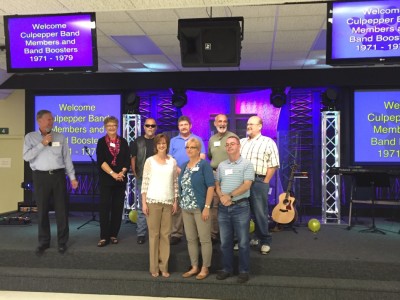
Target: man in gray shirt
49, 157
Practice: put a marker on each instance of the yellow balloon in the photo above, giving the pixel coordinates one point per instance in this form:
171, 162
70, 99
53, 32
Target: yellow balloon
252, 226
314, 225
133, 216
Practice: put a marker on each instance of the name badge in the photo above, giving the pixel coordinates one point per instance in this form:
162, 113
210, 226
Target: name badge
217, 143
195, 169
112, 145
55, 144
229, 172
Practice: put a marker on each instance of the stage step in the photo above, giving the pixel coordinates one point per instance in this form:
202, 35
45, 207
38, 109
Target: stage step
122, 282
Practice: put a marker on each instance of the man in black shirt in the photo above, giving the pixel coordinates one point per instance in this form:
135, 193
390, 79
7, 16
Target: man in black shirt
141, 149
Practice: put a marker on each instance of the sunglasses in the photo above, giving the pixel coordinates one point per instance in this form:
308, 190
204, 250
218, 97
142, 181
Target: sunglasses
150, 125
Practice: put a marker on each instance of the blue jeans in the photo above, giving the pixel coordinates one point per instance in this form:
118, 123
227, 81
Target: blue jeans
259, 209
141, 223
234, 219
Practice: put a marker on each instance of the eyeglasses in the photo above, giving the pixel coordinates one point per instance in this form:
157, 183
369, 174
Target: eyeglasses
108, 126
150, 125
251, 124
191, 148
231, 144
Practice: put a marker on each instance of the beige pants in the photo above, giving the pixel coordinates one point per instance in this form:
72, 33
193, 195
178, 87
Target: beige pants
196, 229
159, 225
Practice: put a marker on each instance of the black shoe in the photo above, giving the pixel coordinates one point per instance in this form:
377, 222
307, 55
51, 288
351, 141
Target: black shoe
141, 239
223, 275
62, 248
40, 249
175, 240
243, 277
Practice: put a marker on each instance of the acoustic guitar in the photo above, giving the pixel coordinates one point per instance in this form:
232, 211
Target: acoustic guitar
285, 211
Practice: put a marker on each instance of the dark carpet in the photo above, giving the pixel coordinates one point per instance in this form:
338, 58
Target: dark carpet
334, 263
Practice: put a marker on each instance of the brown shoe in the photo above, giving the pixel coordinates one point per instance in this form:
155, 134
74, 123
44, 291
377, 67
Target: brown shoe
201, 276
190, 273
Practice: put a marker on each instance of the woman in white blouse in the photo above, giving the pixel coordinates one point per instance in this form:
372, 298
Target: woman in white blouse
159, 202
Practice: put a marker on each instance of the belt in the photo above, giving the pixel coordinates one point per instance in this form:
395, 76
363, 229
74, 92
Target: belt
50, 172
260, 176
239, 201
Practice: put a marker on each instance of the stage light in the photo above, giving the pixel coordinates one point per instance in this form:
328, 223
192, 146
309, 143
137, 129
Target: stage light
278, 97
329, 98
179, 98
132, 103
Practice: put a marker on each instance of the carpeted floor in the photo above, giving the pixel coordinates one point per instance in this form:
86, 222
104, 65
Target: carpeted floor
335, 262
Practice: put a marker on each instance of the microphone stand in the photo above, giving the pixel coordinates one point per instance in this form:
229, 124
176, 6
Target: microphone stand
93, 219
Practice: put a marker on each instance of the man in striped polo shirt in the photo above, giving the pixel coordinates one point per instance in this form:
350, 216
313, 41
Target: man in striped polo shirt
233, 181
263, 154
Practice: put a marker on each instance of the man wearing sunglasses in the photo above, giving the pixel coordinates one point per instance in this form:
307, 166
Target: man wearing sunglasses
141, 149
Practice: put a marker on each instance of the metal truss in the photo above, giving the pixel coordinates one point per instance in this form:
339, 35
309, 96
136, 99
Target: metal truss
330, 158
300, 142
130, 131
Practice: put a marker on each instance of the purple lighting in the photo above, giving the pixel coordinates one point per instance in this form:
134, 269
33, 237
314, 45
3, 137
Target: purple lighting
257, 103
201, 105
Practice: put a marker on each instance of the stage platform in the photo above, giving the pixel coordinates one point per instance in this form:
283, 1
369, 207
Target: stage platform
334, 263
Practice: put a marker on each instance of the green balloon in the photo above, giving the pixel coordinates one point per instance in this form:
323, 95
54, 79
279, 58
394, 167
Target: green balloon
252, 226
133, 216
314, 225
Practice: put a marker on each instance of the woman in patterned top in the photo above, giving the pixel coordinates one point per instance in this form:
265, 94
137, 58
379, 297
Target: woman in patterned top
196, 182
159, 202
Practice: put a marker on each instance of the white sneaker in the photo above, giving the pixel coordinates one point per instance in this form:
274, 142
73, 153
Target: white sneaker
265, 249
236, 247
254, 242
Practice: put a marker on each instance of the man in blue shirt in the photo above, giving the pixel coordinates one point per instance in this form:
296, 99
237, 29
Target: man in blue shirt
49, 157
177, 150
233, 182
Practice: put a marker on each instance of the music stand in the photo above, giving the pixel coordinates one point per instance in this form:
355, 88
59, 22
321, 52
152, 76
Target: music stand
93, 219
372, 180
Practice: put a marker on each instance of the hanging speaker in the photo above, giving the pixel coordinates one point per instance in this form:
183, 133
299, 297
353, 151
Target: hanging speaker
210, 42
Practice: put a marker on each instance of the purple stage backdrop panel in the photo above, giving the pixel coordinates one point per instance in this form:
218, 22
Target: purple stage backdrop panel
200, 106
257, 103
80, 118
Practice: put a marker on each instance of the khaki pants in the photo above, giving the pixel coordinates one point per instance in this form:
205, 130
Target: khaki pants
159, 225
196, 229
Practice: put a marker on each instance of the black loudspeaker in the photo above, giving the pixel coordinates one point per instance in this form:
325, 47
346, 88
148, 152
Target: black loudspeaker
210, 42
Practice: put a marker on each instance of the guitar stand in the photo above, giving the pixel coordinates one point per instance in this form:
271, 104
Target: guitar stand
282, 227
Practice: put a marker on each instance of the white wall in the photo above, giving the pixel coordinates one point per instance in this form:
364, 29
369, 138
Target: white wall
12, 116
